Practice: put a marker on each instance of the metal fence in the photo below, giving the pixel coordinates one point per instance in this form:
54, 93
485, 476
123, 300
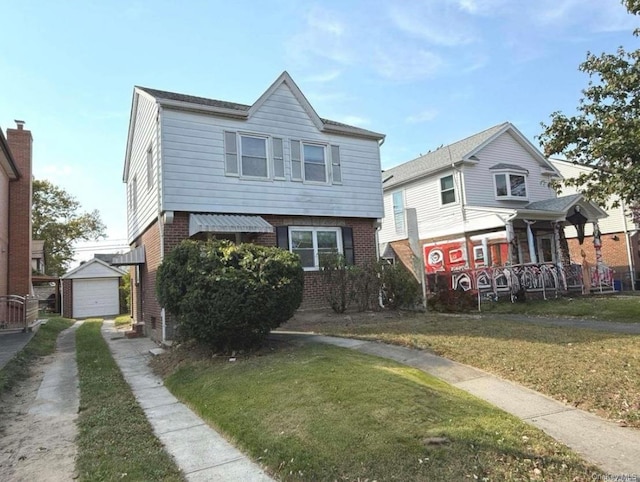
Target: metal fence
17, 312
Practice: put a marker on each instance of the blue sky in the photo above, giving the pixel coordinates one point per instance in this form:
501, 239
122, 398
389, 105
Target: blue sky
424, 72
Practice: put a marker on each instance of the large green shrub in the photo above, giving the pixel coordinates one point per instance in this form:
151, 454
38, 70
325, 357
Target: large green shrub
399, 288
229, 296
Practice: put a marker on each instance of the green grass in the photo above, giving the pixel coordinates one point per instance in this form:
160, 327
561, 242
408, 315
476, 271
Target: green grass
620, 308
592, 370
115, 440
122, 320
318, 412
42, 344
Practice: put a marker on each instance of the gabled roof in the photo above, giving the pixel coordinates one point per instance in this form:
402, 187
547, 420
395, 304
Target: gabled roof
457, 153
107, 271
241, 111
555, 204
6, 158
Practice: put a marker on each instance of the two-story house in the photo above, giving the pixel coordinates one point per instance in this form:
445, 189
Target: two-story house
272, 173
621, 245
483, 202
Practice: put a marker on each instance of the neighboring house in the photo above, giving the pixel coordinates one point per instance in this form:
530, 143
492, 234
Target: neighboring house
484, 202
273, 173
15, 227
91, 290
621, 251
37, 256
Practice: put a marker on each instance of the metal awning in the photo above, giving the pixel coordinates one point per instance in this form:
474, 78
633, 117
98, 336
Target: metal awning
227, 223
133, 257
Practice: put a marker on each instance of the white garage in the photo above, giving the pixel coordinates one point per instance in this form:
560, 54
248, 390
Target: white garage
91, 290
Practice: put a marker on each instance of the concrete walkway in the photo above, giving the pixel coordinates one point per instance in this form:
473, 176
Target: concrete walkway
581, 323
616, 450
200, 452
11, 344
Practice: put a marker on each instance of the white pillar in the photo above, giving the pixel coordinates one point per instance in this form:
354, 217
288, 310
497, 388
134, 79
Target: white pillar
532, 247
510, 239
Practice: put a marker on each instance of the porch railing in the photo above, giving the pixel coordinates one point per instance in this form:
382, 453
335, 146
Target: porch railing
17, 312
546, 278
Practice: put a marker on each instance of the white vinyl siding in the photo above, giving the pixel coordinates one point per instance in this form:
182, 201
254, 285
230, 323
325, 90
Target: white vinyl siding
479, 179
310, 243
194, 165
145, 152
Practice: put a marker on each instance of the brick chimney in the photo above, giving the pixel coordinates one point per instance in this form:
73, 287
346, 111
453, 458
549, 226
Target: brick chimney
20, 196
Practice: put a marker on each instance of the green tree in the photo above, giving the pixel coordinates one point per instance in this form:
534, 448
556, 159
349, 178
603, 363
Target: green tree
57, 221
605, 132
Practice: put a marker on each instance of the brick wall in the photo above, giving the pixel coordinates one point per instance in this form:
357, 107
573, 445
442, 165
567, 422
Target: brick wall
614, 254
67, 298
145, 304
19, 279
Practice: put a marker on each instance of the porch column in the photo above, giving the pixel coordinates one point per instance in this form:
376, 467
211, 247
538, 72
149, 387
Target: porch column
560, 255
510, 240
532, 247
597, 244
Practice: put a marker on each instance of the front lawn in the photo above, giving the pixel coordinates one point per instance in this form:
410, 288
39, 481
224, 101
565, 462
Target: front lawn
318, 412
592, 370
622, 308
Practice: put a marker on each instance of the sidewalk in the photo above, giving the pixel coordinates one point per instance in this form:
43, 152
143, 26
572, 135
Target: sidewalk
200, 452
616, 450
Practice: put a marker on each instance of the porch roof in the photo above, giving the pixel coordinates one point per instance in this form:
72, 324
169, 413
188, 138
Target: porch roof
227, 223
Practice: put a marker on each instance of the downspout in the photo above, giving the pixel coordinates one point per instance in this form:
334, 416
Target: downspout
160, 220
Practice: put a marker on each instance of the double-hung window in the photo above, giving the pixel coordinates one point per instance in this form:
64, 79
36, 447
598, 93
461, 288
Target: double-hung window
398, 212
312, 243
447, 190
309, 162
253, 157
511, 185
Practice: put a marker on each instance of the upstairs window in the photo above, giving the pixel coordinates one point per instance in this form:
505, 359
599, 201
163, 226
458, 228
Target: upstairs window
253, 154
309, 162
398, 212
315, 163
510, 185
447, 190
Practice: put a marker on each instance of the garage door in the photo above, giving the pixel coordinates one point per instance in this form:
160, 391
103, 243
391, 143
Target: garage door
95, 297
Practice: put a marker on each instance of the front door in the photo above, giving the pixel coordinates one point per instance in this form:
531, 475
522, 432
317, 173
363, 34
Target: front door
546, 249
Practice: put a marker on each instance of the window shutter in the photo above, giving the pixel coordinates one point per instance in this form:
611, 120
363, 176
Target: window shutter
230, 153
336, 168
278, 158
347, 246
296, 165
282, 237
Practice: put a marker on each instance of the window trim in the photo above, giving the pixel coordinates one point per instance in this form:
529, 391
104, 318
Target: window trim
508, 173
268, 157
397, 213
314, 230
453, 188
304, 162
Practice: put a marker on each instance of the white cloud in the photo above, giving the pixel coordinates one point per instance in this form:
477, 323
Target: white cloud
424, 116
324, 77
435, 23
408, 64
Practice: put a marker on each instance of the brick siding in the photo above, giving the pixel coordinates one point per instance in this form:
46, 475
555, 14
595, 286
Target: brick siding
145, 304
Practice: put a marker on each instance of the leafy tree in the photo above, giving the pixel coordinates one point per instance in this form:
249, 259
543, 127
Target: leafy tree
605, 132
229, 296
57, 221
